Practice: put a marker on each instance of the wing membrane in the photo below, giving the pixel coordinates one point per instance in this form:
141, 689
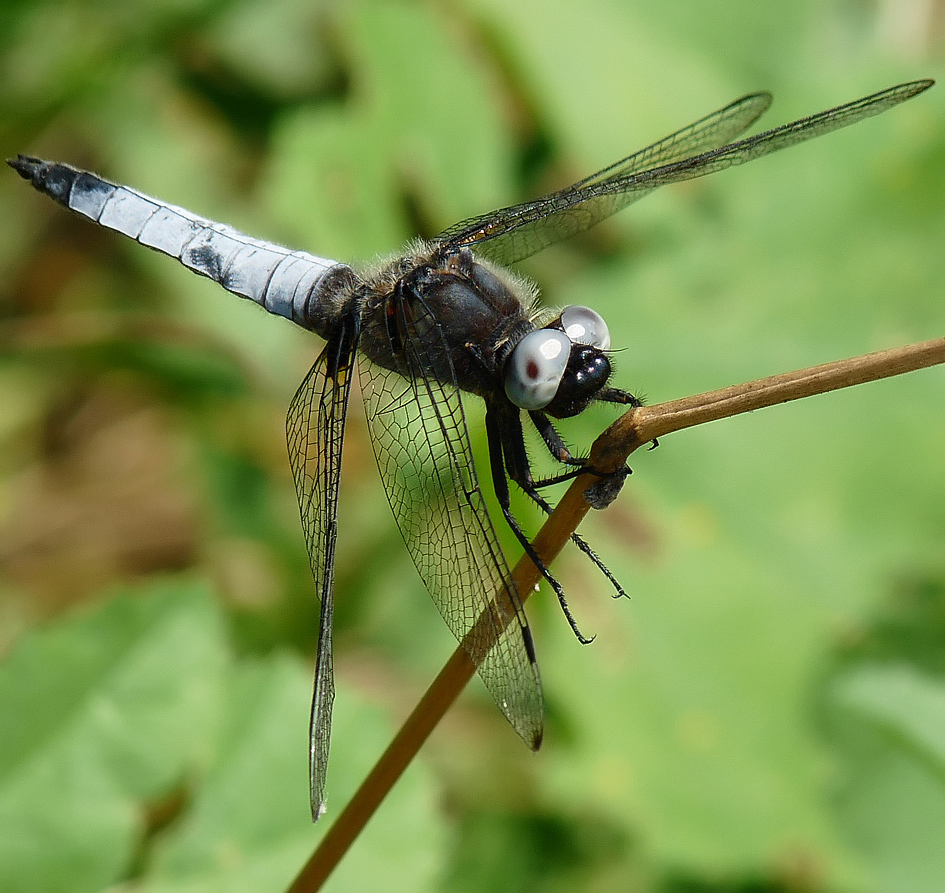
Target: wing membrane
422, 446
315, 428
707, 133
511, 234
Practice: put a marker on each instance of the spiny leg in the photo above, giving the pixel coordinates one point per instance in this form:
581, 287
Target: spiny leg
622, 473
500, 482
582, 544
615, 395
624, 398
560, 451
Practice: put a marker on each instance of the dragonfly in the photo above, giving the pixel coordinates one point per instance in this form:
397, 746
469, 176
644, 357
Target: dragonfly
443, 321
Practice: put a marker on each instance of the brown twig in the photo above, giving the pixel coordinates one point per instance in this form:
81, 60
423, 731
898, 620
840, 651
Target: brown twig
610, 451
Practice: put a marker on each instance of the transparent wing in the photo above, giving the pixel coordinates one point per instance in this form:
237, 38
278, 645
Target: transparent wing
707, 133
315, 428
422, 446
510, 234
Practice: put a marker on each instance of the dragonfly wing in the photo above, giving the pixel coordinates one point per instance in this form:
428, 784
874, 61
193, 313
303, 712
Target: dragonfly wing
511, 234
707, 133
421, 442
315, 428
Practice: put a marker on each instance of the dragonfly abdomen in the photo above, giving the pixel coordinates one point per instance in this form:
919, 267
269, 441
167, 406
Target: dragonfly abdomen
287, 283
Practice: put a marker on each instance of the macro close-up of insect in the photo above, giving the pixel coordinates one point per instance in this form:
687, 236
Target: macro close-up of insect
565, 634
433, 323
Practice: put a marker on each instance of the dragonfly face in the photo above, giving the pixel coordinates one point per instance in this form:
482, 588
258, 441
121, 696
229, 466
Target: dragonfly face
442, 320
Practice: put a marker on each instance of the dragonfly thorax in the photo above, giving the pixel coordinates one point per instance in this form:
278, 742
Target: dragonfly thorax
466, 315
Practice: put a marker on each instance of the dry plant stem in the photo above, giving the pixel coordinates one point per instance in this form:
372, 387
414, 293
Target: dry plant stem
610, 451
642, 426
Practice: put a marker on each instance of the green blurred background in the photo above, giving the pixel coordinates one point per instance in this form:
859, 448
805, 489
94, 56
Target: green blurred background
767, 712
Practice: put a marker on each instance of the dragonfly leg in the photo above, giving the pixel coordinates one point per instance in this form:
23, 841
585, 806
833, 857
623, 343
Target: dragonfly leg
581, 543
615, 395
625, 398
553, 440
497, 447
560, 452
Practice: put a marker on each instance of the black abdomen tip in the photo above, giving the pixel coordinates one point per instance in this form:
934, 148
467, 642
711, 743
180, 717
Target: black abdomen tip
54, 179
27, 166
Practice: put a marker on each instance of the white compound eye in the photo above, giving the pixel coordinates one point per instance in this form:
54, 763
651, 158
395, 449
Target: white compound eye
535, 368
585, 326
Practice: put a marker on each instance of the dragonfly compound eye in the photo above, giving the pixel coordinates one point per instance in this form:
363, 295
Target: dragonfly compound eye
535, 368
585, 326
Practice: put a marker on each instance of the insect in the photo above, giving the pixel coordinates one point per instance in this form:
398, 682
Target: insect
442, 320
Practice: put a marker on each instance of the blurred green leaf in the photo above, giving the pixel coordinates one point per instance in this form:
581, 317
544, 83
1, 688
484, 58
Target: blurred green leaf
102, 713
907, 705
347, 177
687, 713
249, 827
114, 709
891, 796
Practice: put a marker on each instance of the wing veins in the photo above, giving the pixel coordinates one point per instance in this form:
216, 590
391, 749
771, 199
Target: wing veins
450, 536
513, 233
315, 432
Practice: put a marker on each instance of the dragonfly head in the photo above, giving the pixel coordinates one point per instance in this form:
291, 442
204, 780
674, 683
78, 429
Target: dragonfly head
560, 368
